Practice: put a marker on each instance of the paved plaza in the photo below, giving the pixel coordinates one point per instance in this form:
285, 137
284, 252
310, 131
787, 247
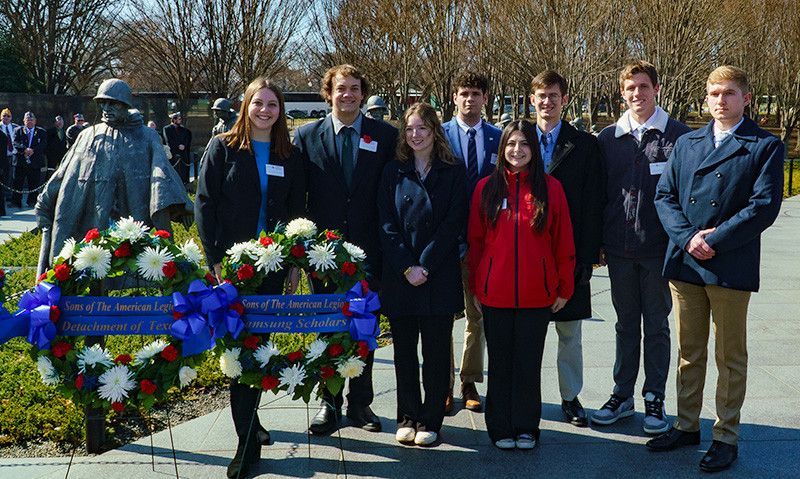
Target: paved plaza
770, 432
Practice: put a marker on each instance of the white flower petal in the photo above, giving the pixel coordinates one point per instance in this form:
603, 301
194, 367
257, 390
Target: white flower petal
192, 252
351, 368
354, 251
229, 363
116, 383
316, 349
49, 374
151, 261
265, 352
94, 258
292, 377
322, 257
301, 227
186, 375
94, 356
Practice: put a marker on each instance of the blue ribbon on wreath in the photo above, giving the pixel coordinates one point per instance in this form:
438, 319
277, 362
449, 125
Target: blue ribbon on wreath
34, 315
222, 317
193, 327
360, 304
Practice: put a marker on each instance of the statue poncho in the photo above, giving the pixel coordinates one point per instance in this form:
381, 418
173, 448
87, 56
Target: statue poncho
111, 172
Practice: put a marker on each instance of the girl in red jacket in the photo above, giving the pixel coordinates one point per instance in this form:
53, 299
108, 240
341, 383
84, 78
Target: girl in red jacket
521, 258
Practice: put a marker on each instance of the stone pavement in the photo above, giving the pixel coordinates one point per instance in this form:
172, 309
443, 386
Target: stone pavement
15, 222
770, 433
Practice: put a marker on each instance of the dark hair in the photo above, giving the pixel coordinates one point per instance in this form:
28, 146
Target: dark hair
547, 79
441, 147
344, 70
638, 66
239, 136
471, 79
496, 188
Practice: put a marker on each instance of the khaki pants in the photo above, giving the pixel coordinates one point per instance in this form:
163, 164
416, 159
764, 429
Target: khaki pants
569, 359
728, 310
474, 339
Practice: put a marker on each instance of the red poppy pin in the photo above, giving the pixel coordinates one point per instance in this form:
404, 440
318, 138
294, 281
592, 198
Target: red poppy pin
367, 139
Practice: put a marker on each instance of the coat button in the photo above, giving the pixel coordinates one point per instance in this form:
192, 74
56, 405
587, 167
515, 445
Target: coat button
407, 199
714, 203
719, 175
692, 200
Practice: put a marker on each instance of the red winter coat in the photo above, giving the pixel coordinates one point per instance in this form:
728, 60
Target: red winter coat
510, 265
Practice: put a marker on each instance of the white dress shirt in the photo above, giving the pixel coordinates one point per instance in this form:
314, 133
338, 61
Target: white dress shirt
464, 137
720, 135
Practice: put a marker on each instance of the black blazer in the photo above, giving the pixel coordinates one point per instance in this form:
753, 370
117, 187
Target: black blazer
56, 147
330, 204
229, 196
175, 135
422, 225
5, 160
577, 164
39, 145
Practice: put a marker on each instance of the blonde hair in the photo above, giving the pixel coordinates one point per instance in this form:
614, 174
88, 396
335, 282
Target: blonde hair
729, 73
634, 67
5, 111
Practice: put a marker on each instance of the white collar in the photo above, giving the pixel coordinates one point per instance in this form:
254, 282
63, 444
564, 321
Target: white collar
464, 127
718, 133
657, 120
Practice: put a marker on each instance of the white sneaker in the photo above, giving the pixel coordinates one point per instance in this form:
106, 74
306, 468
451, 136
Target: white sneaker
507, 443
425, 438
405, 434
525, 441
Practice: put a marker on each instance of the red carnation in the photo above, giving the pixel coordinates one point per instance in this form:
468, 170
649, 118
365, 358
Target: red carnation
348, 268
363, 349
265, 240
364, 286
55, 313
335, 350
79, 382
162, 234
62, 271
170, 353
169, 269
294, 356
298, 251
245, 272
330, 235
315, 275
60, 349
123, 250
2, 273
251, 342
367, 139
123, 359
176, 315
210, 279
269, 382
326, 372
238, 307
42, 277
92, 234
117, 406
147, 386
346, 309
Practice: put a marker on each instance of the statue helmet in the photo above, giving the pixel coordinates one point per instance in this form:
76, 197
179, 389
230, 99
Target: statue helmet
115, 89
375, 102
222, 104
505, 117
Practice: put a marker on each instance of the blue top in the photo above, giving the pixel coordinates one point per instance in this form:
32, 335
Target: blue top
552, 138
261, 150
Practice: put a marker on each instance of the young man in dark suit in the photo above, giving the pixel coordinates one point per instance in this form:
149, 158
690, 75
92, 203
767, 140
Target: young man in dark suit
344, 155
30, 142
475, 142
722, 187
179, 140
572, 157
56, 146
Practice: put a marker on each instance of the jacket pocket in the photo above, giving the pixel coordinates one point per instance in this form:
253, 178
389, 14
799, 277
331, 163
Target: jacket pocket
486, 283
544, 270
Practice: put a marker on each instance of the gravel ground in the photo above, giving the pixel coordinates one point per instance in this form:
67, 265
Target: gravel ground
129, 428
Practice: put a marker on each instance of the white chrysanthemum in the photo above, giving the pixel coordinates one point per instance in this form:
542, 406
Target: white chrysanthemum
186, 375
248, 249
316, 349
150, 263
229, 363
116, 383
322, 258
129, 229
292, 377
95, 258
354, 251
93, 356
301, 227
270, 258
148, 351
68, 249
192, 252
351, 368
49, 374
265, 352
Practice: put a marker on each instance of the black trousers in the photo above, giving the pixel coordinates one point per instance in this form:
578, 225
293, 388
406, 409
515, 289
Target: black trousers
33, 176
437, 334
515, 342
4, 180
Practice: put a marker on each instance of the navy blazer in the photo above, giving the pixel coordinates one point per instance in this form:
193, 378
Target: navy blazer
329, 203
491, 145
38, 145
736, 188
422, 225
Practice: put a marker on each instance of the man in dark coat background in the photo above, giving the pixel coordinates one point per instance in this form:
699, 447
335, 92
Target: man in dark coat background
56, 145
179, 140
573, 157
344, 155
5, 165
30, 142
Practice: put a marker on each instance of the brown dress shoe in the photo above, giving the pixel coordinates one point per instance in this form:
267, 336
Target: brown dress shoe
472, 400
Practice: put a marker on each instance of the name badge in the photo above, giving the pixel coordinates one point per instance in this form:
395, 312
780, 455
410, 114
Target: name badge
493, 159
657, 168
505, 202
275, 170
371, 145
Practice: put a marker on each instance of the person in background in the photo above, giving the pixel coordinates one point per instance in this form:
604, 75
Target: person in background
30, 142
79, 123
56, 146
179, 140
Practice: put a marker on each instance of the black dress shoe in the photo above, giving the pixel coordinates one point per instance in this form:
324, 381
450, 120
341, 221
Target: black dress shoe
365, 419
673, 439
574, 413
263, 437
719, 457
244, 457
325, 421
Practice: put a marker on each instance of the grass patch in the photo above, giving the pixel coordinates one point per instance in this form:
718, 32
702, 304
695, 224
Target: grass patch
795, 178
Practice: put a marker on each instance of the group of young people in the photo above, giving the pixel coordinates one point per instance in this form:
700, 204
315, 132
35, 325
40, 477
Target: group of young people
506, 226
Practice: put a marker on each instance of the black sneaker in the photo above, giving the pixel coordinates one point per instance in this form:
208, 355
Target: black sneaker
655, 420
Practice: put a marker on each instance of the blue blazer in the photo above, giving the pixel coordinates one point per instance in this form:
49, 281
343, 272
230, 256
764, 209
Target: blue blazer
491, 145
736, 188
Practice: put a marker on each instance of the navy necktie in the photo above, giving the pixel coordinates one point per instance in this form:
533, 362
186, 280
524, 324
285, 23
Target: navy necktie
472, 158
